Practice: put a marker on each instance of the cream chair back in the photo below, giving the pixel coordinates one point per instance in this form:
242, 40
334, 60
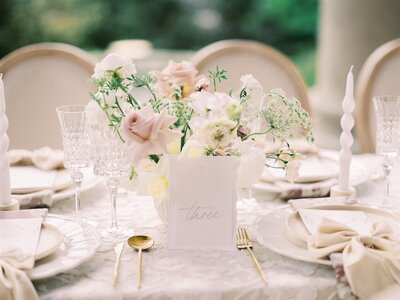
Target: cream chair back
239, 57
379, 75
37, 79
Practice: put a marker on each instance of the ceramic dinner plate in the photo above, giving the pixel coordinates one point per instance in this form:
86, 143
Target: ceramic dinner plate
283, 232
49, 240
79, 244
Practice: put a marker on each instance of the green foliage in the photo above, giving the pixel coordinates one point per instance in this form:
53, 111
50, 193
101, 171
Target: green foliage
217, 75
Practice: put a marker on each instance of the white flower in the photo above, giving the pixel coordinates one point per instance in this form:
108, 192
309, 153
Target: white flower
202, 84
253, 88
234, 110
252, 163
292, 170
151, 178
255, 100
217, 134
95, 115
193, 148
211, 105
113, 62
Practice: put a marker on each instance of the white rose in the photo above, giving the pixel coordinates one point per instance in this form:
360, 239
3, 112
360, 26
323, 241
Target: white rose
112, 62
95, 115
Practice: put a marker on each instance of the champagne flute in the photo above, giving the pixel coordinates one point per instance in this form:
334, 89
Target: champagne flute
387, 111
112, 162
73, 123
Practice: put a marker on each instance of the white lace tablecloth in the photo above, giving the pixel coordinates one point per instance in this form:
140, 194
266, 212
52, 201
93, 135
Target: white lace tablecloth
191, 274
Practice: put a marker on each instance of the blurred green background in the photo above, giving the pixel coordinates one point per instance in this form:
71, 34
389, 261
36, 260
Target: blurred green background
288, 25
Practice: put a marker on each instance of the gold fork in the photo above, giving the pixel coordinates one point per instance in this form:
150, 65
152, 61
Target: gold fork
243, 242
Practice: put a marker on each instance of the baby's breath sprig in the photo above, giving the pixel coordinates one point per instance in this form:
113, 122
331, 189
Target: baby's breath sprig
217, 75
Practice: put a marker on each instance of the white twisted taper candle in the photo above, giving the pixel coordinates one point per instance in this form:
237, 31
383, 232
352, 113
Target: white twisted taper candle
346, 140
6, 203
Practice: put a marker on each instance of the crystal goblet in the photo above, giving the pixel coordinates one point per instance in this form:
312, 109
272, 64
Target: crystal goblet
387, 112
111, 162
72, 119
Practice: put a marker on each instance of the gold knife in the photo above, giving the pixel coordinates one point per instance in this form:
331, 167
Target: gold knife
118, 251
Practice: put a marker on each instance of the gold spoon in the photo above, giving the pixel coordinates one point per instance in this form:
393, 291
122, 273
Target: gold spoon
140, 242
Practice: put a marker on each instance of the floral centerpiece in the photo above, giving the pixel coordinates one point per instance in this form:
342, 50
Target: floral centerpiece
184, 113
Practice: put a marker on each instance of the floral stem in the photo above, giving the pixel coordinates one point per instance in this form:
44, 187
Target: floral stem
185, 129
255, 133
119, 107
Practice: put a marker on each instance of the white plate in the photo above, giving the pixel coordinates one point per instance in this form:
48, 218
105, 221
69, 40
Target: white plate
282, 232
271, 232
79, 245
49, 240
358, 175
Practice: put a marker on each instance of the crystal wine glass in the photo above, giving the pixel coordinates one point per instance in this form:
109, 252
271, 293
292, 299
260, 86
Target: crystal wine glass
75, 143
112, 162
387, 111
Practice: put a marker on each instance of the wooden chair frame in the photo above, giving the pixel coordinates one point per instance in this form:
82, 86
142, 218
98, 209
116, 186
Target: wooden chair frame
226, 46
366, 78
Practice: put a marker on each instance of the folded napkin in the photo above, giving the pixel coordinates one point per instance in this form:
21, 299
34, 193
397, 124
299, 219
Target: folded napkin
371, 263
14, 282
44, 158
17, 254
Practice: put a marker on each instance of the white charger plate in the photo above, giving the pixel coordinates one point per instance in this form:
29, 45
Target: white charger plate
358, 174
282, 232
79, 245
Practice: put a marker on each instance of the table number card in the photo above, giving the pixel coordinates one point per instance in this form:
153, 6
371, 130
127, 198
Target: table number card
202, 203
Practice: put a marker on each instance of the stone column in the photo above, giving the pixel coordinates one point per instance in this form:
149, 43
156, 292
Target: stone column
349, 30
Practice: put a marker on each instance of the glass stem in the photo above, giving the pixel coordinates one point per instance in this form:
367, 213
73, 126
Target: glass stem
113, 184
77, 177
386, 169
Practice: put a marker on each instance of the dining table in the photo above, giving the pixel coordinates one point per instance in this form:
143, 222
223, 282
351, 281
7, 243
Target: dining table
196, 274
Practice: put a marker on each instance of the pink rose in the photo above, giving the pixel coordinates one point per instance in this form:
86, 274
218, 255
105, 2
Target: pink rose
177, 80
147, 133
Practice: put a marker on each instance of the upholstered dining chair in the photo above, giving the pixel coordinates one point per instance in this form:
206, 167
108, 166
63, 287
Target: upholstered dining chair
37, 79
379, 75
269, 66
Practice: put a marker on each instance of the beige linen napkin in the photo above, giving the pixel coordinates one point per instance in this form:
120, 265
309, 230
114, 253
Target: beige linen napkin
44, 158
371, 263
14, 282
